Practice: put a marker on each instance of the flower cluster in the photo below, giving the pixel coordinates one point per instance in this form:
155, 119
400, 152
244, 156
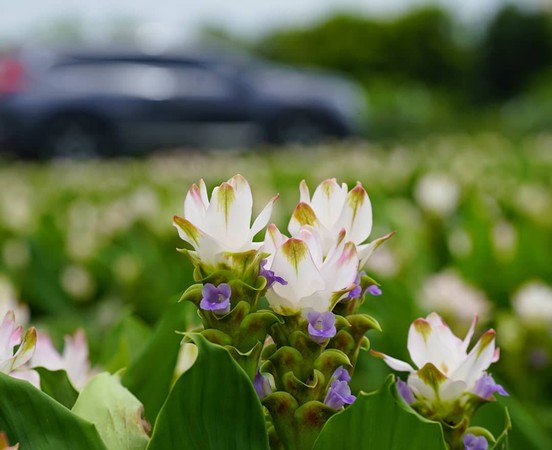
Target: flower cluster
300, 353
449, 383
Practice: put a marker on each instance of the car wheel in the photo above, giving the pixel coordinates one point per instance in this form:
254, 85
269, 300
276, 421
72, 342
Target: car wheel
77, 138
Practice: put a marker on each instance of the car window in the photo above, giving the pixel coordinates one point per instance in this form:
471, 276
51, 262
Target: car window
159, 81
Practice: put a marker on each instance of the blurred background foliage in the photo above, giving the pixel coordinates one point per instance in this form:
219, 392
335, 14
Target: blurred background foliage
457, 160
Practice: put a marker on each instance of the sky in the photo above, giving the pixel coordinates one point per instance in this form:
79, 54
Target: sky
23, 18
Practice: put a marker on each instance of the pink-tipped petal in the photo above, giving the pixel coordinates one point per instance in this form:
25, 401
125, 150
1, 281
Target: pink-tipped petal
263, 218
304, 194
356, 215
395, 364
478, 360
194, 207
328, 200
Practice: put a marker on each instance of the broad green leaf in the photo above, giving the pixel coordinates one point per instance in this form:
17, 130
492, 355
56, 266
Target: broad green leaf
57, 385
212, 406
151, 375
36, 421
115, 412
378, 421
124, 344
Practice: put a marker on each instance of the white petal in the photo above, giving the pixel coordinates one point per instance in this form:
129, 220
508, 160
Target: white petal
293, 262
395, 364
469, 335
450, 390
27, 375
420, 388
366, 250
339, 273
303, 214
312, 239
328, 201
194, 207
263, 218
356, 215
26, 349
304, 194
478, 360
228, 216
46, 354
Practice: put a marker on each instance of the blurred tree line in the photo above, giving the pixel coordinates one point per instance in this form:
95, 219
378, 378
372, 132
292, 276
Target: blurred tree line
423, 67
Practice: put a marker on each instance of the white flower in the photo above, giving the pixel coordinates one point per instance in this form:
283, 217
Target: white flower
447, 293
313, 282
222, 224
74, 359
14, 364
533, 304
8, 302
446, 371
333, 208
437, 193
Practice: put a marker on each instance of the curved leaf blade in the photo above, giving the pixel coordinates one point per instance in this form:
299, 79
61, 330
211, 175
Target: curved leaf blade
212, 406
35, 421
377, 421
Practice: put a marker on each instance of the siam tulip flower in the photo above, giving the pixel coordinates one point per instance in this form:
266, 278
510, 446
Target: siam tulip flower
216, 298
74, 359
313, 282
321, 326
446, 372
332, 209
15, 364
221, 225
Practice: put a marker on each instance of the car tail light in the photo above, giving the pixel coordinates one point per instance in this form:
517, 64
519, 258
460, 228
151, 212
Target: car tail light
11, 75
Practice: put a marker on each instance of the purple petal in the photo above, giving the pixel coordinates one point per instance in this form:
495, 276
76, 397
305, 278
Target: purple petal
339, 394
374, 290
262, 386
216, 298
341, 374
321, 325
356, 292
472, 442
271, 278
486, 386
405, 391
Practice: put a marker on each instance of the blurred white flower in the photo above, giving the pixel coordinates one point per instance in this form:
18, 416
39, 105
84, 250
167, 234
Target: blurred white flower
78, 282
222, 224
460, 243
8, 302
533, 304
16, 253
74, 359
504, 238
312, 281
448, 294
437, 193
15, 364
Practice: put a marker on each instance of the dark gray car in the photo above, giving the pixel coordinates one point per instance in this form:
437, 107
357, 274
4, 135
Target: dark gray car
106, 102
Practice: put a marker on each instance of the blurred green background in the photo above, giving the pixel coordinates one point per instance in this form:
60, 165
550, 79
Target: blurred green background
456, 157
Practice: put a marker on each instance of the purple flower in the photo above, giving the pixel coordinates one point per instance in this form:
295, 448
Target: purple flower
485, 387
338, 395
341, 374
405, 391
356, 292
321, 325
374, 290
472, 442
271, 278
216, 298
262, 385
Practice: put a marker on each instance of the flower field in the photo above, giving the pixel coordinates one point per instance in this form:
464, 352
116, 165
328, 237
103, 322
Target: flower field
91, 245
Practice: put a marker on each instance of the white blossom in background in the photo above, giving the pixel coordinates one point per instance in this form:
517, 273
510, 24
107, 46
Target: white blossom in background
15, 363
8, 302
222, 224
437, 193
74, 358
448, 294
505, 240
533, 305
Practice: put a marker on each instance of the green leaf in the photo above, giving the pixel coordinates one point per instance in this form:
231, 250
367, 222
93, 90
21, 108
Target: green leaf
212, 406
151, 375
36, 421
57, 385
116, 413
378, 421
